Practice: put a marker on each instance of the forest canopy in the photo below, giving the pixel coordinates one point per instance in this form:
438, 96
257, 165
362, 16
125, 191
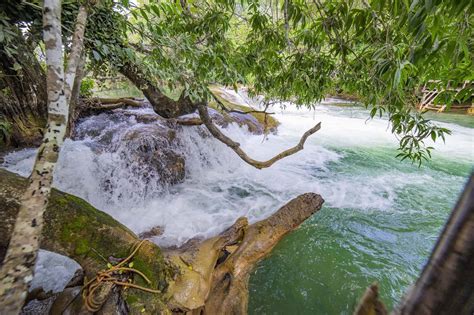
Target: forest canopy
381, 52
298, 51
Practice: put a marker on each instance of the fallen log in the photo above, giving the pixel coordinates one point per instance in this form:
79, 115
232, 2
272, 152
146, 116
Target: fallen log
115, 101
215, 272
94, 106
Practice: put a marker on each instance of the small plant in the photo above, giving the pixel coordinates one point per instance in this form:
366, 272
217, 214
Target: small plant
5, 131
87, 85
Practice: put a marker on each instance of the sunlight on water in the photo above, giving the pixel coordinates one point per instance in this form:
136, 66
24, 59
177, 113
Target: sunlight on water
379, 222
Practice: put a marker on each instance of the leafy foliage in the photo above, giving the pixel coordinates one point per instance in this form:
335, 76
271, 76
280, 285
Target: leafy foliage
381, 50
87, 85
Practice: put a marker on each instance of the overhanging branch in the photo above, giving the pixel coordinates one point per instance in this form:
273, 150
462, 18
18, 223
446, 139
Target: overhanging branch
207, 121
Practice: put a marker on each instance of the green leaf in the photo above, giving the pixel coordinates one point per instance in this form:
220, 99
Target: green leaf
96, 55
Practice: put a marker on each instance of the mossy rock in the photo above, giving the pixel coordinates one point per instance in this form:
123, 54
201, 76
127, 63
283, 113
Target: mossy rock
78, 230
270, 125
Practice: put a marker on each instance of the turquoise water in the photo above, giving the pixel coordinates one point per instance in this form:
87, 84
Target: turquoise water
379, 222
325, 266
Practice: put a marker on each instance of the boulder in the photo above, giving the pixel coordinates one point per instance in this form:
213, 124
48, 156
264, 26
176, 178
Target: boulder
76, 229
152, 149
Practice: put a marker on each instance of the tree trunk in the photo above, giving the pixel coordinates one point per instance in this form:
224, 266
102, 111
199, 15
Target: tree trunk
162, 104
17, 270
74, 228
75, 94
446, 285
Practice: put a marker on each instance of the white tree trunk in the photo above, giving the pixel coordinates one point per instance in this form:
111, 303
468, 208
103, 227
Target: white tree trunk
17, 271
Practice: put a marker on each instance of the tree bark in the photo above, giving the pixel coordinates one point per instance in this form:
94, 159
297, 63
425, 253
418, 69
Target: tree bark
216, 133
17, 270
75, 94
446, 285
162, 104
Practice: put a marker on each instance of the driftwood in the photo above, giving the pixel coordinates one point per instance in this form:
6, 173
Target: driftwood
105, 104
118, 101
94, 106
215, 272
207, 121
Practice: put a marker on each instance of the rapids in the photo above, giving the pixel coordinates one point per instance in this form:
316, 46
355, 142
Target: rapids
379, 223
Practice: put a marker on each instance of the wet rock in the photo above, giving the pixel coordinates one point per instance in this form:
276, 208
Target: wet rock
74, 228
152, 152
248, 121
224, 119
154, 231
39, 307
64, 301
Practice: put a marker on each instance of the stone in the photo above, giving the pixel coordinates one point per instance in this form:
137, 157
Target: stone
76, 229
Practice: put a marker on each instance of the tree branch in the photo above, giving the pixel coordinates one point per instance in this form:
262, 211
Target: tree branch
17, 271
224, 108
207, 121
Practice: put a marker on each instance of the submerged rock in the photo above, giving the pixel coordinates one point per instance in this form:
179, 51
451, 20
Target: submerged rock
152, 151
154, 231
146, 146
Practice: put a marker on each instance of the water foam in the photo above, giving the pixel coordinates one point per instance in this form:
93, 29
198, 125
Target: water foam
219, 187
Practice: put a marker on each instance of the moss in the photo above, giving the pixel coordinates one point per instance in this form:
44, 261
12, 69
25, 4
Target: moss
92, 235
271, 123
132, 299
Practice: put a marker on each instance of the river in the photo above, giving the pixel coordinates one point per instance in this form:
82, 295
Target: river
379, 222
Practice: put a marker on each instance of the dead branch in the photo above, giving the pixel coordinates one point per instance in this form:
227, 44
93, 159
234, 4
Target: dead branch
189, 122
94, 106
118, 101
207, 121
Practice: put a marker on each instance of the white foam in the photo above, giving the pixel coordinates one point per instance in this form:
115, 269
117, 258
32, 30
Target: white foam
219, 187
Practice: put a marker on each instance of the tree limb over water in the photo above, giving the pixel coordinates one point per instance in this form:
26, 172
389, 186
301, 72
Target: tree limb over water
207, 121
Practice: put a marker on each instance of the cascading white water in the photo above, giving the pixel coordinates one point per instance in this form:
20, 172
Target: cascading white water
379, 212
219, 187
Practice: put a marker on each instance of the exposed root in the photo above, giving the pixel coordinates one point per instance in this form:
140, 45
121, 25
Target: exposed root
214, 273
